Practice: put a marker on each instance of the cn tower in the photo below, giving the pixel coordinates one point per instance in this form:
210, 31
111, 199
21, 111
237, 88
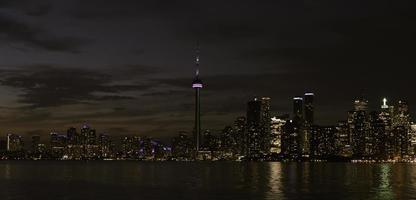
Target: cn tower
197, 85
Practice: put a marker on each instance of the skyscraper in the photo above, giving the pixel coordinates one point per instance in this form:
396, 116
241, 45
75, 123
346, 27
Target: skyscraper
302, 129
197, 85
276, 131
358, 122
309, 111
297, 108
258, 127
240, 127
35, 143
14, 142
361, 104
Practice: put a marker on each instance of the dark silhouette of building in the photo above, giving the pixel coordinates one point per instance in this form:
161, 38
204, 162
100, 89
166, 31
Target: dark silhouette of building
290, 140
182, 147
297, 108
309, 108
240, 126
35, 143
258, 127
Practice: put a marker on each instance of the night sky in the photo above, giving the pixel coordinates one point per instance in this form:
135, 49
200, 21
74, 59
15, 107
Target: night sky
126, 67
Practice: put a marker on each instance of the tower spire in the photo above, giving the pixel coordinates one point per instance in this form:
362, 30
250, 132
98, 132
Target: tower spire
197, 85
197, 59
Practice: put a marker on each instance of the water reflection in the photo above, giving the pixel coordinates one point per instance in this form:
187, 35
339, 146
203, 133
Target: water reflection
275, 184
219, 180
384, 189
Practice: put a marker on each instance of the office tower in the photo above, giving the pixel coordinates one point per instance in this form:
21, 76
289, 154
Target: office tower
58, 140
228, 144
258, 127
182, 147
403, 107
265, 124
401, 142
343, 140
240, 134
130, 147
403, 118
297, 108
412, 139
105, 145
379, 135
88, 135
290, 140
72, 135
210, 142
309, 121
146, 148
382, 132
85, 129
197, 86
323, 142
92, 137
58, 144
3, 145
35, 143
302, 128
14, 142
276, 131
358, 122
361, 104
309, 108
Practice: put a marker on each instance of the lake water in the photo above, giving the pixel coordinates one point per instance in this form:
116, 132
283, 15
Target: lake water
205, 180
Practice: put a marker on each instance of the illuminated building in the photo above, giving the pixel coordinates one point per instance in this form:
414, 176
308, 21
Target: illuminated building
105, 145
382, 132
361, 104
297, 108
402, 118
88, 135
309, 108
412, 138
58, 144
380, 135
130, 147
240, 131
359, 126
197, 86
343, 140
258, 127
14, 142
290, 140
73, 137
146, 148
182, 147
302, 128
228, 142
401, 142
323, 142
35, 143
276, 129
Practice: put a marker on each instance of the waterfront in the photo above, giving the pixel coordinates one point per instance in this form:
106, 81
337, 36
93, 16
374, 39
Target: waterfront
205, 180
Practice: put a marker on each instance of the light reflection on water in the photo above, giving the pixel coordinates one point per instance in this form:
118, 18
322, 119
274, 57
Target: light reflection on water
206, 180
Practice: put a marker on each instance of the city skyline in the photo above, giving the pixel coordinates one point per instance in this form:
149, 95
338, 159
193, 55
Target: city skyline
302, 108
119, 66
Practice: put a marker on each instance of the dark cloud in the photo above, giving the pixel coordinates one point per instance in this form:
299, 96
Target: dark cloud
16, 31
47, 86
